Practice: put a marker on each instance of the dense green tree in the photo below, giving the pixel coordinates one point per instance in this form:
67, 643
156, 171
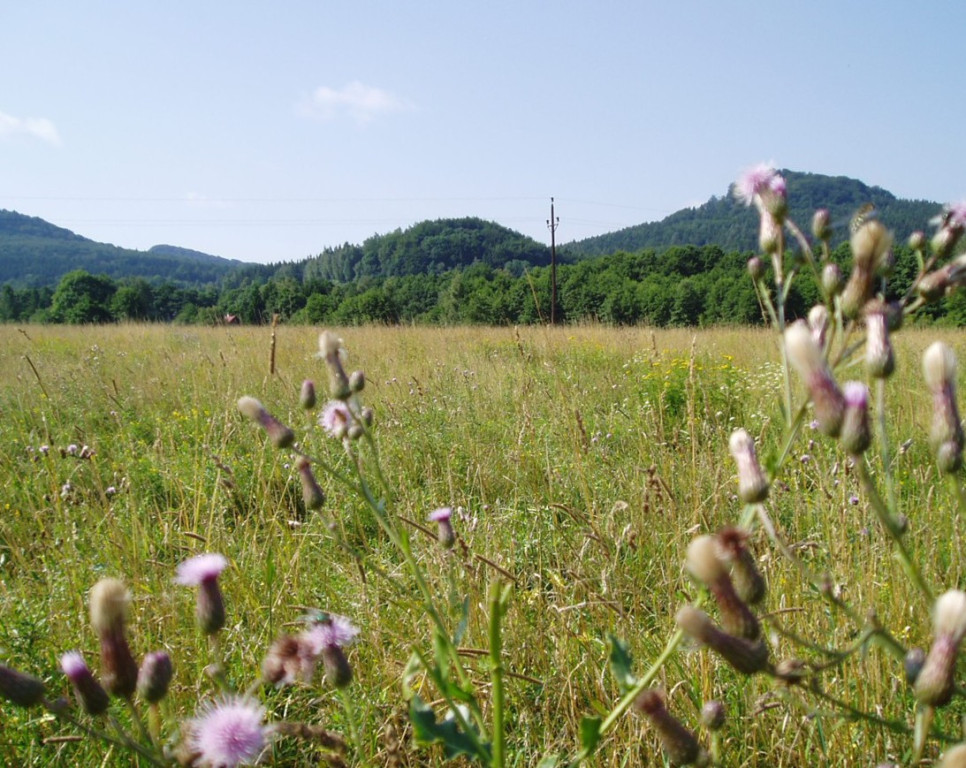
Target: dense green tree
133, 300
81, 297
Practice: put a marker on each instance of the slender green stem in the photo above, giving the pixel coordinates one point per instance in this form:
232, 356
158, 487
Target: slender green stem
354, 731
786, 378
884, 446
139, 723
498, 597
124, 739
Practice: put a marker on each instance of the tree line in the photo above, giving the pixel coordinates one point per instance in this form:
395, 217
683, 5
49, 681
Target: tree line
683, 285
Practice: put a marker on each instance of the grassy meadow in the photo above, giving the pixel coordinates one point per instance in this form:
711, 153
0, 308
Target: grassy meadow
581, 462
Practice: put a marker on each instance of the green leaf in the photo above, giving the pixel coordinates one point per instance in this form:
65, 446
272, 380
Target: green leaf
589, 733
427, 730
620, 664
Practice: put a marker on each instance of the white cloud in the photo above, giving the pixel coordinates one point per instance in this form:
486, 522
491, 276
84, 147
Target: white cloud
359, 101
38, 127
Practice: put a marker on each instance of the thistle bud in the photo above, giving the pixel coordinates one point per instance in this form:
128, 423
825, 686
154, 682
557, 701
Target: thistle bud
155, 677
752, 482
879, 358
443, 519
331, 350
943, 241
703, 564
934, 285
912, 664
713, 715
935, 683
756, 268
744, 655
870, 243
307, 395
818, 323
19, 688
357, 381
109, 600
832, 279
747, 579
946, 434
90, 693
312, 493
769, 233
856, 435
806, 357
821, 227
337, 669
917, 240
680, 745
279, 435
202, 571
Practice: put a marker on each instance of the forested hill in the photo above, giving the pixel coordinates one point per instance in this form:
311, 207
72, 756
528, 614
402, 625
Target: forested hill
725, 222
35, 253
430, 247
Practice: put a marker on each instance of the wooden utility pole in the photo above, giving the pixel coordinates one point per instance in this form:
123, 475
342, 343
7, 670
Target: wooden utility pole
552, 223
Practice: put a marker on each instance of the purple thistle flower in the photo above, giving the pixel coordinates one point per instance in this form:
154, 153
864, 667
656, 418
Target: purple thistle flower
336, 418
446, 534
957, 214
757, 180
202, 571
325, 639
199, 569
229, 733
330, 629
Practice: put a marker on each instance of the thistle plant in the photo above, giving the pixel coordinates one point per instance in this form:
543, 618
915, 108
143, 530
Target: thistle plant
852, 324
230, 727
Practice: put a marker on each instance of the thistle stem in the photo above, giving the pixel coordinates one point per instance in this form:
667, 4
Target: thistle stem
498, 597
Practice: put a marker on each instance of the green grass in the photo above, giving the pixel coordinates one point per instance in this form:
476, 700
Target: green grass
585, 459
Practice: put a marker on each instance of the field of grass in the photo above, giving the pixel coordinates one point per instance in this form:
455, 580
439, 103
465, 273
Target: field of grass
581, 462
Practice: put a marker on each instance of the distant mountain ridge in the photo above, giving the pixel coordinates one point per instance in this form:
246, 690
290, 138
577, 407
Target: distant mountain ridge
728, 223
36, 253
430, 247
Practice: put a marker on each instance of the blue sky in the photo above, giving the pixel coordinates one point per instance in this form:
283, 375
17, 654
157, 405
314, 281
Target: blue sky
268, 131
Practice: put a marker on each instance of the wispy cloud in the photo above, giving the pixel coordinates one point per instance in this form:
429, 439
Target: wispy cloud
198, 200
38, 127
359, 101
